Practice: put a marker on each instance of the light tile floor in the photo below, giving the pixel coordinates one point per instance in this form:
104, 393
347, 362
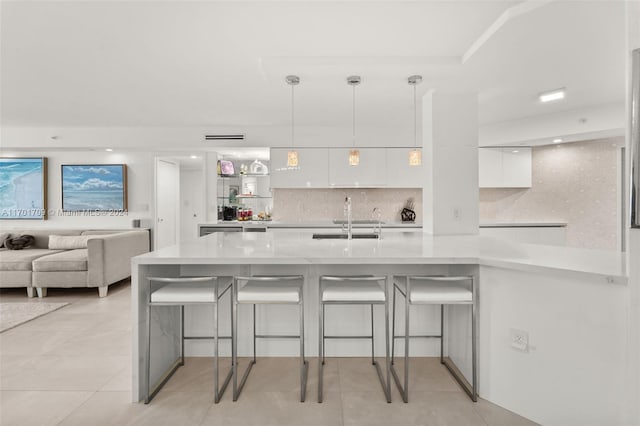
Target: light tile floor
72, 367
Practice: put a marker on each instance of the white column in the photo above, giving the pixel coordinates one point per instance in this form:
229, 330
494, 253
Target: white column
633, 246
450, 158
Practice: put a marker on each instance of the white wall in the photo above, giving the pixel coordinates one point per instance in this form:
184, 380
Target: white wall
140, 177
633, 250
574, 373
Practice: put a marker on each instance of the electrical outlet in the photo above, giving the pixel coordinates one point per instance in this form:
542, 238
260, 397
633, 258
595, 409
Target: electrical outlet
519, 340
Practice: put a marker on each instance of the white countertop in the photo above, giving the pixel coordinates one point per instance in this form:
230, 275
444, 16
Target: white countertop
306, 224
395, 248
523, 225
330, 224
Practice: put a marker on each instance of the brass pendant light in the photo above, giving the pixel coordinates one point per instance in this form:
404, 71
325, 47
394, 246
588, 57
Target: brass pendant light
354, 154
415, 156
292, 155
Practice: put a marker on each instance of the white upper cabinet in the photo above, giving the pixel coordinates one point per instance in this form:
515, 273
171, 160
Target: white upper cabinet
329, 168
490, 167
371, 172
399, 173
508, 167
516, 167
312, 170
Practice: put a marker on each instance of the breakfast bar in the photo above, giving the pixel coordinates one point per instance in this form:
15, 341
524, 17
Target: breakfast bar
514, 284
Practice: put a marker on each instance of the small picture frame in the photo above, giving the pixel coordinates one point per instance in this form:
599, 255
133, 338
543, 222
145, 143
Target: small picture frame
94, 187
234, 190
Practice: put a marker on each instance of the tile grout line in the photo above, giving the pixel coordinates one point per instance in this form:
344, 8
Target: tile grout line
77, 408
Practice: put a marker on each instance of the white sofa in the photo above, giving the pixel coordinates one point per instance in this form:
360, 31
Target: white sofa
106, 260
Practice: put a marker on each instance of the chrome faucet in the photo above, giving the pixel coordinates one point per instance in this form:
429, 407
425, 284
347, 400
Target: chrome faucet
347, 210
377, 214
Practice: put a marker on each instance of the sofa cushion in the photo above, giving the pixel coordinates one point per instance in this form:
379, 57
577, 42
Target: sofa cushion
69, 260
42, 235
20, 260
20, 242
68, 242
3, 236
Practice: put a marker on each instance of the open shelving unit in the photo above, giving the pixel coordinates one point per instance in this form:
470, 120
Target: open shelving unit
246, 190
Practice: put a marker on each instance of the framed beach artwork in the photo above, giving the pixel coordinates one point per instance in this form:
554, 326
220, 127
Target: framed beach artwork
94, 187
23, 188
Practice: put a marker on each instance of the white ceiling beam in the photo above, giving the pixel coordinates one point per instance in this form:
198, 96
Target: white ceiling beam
509, 14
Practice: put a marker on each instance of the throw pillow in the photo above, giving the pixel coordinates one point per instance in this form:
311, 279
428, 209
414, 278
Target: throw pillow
3, 237
68, 242
19, 243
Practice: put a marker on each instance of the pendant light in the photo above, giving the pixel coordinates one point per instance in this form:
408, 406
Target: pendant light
354, 154
292, 155
415, 156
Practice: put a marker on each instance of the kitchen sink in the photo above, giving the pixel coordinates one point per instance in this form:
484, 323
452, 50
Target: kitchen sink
358, 222
345, 236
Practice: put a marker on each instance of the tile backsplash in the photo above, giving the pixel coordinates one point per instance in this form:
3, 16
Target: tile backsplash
576, 183
299, 205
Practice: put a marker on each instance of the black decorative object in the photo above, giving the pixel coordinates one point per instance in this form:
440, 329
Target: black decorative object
408, 214
19, 243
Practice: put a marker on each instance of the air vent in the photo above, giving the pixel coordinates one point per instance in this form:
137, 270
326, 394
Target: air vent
236, 137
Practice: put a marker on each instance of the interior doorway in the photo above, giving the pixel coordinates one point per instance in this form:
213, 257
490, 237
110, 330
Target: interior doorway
167, 202
180, 195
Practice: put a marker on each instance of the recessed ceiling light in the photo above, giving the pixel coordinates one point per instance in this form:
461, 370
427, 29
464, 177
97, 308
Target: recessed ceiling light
108, 149
515, 151
552, 95
193, 157
557, 140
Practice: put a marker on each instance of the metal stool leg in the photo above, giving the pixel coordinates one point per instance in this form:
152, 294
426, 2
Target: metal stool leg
393, 327
234, 343
320, 348
441, 334
405, 393
474, 348
220, 391
254, 333
148, 357
373, 358
182, 334
386, 335
304, 366
216, 365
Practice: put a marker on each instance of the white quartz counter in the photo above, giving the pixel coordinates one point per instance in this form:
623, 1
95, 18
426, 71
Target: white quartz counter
297, 247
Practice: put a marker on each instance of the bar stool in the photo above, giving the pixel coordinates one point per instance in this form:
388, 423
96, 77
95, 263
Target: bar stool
354, 290
435, 290
280, 290
190, 291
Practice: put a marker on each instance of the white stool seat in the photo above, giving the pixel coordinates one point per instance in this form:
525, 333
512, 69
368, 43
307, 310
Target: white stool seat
185, 293
436, 291
269, 292
353, 291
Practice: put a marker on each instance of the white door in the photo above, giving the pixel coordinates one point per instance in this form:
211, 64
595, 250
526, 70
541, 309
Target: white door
168, 196
191, 203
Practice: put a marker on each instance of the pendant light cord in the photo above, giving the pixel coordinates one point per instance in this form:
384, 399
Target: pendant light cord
292, 115
354, 116
415, 119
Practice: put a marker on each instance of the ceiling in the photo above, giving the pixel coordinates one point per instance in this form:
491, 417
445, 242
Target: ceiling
222, 63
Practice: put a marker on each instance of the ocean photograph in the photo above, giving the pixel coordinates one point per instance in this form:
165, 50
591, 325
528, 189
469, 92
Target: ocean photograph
22, 188
96, 187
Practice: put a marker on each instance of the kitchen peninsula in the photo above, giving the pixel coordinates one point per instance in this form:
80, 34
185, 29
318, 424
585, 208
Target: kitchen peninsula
525, 287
